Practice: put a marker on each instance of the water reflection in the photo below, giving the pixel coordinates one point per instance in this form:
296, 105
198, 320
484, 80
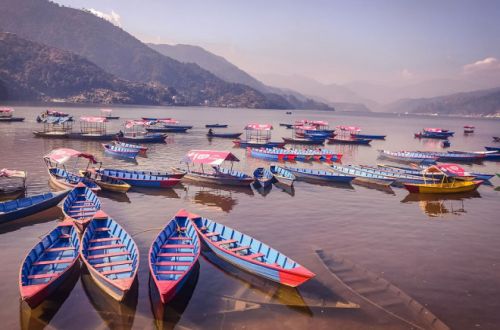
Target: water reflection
167, 193
114, 196
215, 196
116, 315
167, 316
48, 215
290, 190
40, 316
263, 191
439, 205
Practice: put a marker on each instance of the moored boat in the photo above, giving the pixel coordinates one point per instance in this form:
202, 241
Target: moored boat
468, 129
282, 175
219, 175
216, 126
121, 152
279, 154
363, 176
7, 115
263, 177
80, 206
497, 149
110, 254
309, 141
142, 149
407, 156
23, 207
12, 183
108, 114
418, 171
311, 174
249, 253
172, 256
135, 132
60, 177
223, 135
399, 178
48, 264
368, 136
356, 140
151, 179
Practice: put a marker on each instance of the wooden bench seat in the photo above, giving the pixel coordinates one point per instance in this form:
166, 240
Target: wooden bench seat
255, 255
169, 272
40, 276
229, 241
63, 248
117, 271
105, 239
108, 255
177, 246
239, 248
180, 254
104, 247
111, 264
173, 263
212, 234
57, 261
178, 238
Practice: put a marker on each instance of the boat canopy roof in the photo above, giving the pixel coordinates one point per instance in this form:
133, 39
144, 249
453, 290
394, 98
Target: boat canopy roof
469, 126
446, 169
258, 127
305, 127
56, 120
349, 128
93, 119
6, 173
108, 111
62, 155
132, 123
211, 157
6, 110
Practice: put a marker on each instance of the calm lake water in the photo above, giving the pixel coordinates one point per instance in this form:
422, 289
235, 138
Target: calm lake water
443, 252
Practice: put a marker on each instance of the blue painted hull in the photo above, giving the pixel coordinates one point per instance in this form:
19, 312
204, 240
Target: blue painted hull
128, 153
369, 136
319, 175
142, 179
152, 138
31, 205
263, 177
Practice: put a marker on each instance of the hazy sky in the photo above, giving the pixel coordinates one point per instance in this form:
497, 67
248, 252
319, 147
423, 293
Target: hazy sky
330, 41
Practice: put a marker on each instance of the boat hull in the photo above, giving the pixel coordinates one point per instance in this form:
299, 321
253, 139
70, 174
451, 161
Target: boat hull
61, 183
304, 141
224, 135
140, 179
368, 136
217, 180
446, 188
157, 138
246, 144
216, 126
356, 141
32, 209
320, 176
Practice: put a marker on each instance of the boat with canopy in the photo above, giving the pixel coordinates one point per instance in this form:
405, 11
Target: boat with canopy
217, 175
448, 185
148, 179
167, 125
468, 129
135, 132
418, 171
7, 115
12, 183
256, 136
56, 127
52, 113
93, 128
63, 178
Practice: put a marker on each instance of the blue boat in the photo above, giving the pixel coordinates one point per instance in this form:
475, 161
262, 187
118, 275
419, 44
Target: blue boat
27, 206
399, 178
49, 264
169, 129
432, 135
363, 176
250, 254
418, 172
80, 206
223, 135
252, 144
151, 179
368, 136
305, 140
216, 126
263, 177
140, 137
172, 256
310, 174
116, 151
358, 141
408, 157
110, 254
282, 175
497, 149
142, 149
445, 144
64, 180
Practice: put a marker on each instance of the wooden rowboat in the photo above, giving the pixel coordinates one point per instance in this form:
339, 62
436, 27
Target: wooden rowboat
172, 256
282, 175
216, 125
48, 264
114, 150
150, 179
249, 253
62, 179
456, 186
263, 177
311, 174
110, 255
220, 176
20, 208
142, 149
106, 182
80, 206
224, 135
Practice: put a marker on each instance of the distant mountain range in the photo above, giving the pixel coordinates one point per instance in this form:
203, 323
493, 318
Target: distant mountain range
486, 102
127, 58
36, 72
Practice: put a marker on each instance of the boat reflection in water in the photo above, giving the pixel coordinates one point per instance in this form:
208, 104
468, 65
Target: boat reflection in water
114, 196
290, 190
116, 315
439, 205
168, 315
167, 193
215, 196
263, 191
254, 292
41, 316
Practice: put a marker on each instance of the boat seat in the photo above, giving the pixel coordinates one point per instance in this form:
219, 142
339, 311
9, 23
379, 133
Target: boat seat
203, 228
108, 255
64, 248
57, 261
177, 238
170, 272
104, 247
102, 229
111, 264
177, 246
173, 263
82, 206
212, 234
64, 236
105, 239
255, 255
117, 271
40, 276
178, 254
239, 248
224, 242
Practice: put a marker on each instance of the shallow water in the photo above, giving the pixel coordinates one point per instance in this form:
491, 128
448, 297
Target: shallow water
442, 251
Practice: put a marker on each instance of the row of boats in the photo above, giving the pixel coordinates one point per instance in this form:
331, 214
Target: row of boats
112, 257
